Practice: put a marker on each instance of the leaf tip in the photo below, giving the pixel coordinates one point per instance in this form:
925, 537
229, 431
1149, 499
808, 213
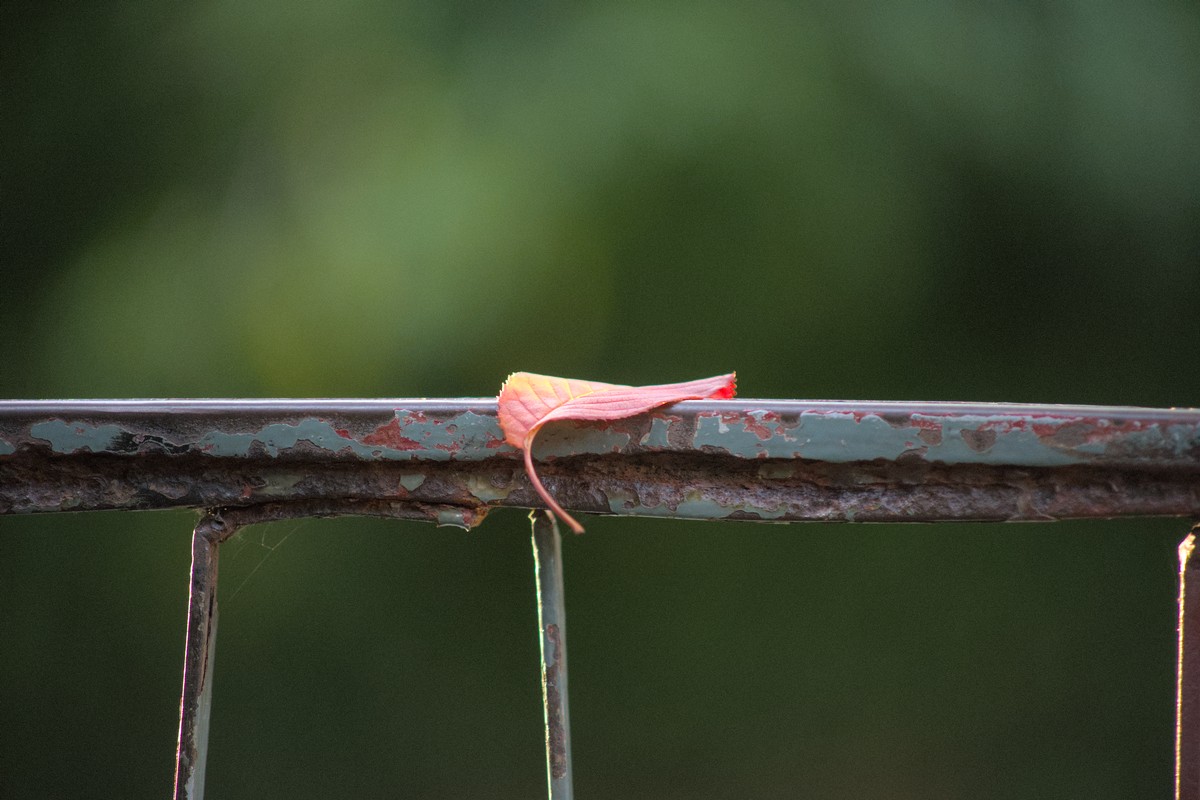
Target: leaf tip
507, 402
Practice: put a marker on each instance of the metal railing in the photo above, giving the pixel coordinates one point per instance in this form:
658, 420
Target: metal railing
445, 461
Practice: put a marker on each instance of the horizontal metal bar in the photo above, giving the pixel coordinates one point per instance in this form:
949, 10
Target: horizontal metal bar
742, 459
466, 429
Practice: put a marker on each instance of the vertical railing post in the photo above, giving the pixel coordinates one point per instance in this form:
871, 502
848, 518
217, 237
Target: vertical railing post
1187, 703
195, 704
547, 557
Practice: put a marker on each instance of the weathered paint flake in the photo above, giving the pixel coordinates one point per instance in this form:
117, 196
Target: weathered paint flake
272, 439
777, 470
468, 435
411, 482
568, 438
456, 518
693, 505
657, 439
482, 487
279, 485
737, 438
844, 437
400, 439
75, 437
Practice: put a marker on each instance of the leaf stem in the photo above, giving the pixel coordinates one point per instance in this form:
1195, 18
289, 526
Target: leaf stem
553, 505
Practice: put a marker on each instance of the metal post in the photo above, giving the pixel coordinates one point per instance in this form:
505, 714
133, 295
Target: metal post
215, 527
1187, 708
547, 557
195, 704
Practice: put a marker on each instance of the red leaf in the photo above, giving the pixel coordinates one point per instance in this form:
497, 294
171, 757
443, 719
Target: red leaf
528, 401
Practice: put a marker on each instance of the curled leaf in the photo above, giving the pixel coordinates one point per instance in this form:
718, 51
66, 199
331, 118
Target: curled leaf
528, 401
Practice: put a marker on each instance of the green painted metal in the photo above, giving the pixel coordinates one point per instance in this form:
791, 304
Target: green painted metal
552, 625
439, 430
768, 460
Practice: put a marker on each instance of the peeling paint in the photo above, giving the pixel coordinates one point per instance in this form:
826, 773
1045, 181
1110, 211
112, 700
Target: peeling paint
279, 436
843, 437
75, 437
997, 440
1172, 438
570, 439
815, 459
980, 440
693, 505
485, 490
279, 485
657, 437
623, 503
453, 518
407, 436
470, 426
777, 470
753, 422
1041, 436
741, 438
417, 442
462, 436
411, 482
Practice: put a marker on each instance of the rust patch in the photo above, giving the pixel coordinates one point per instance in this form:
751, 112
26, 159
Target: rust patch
1087, 431
758, 429
929, 430
389, 435
556, 735
1071, 435
680, 431
981, 440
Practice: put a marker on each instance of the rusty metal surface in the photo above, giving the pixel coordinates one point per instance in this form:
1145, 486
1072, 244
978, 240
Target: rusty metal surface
214, 527
552, 623
1187, 710
195, 705
739, 459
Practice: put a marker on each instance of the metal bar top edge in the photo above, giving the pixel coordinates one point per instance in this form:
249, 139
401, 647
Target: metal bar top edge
487, 405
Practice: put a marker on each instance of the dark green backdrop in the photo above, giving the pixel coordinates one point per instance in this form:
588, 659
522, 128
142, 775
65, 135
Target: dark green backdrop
937, 200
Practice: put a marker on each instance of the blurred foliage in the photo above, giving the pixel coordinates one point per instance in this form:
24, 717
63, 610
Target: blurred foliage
938, 200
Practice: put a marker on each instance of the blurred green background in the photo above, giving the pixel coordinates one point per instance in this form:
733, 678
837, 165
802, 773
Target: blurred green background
938, 200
